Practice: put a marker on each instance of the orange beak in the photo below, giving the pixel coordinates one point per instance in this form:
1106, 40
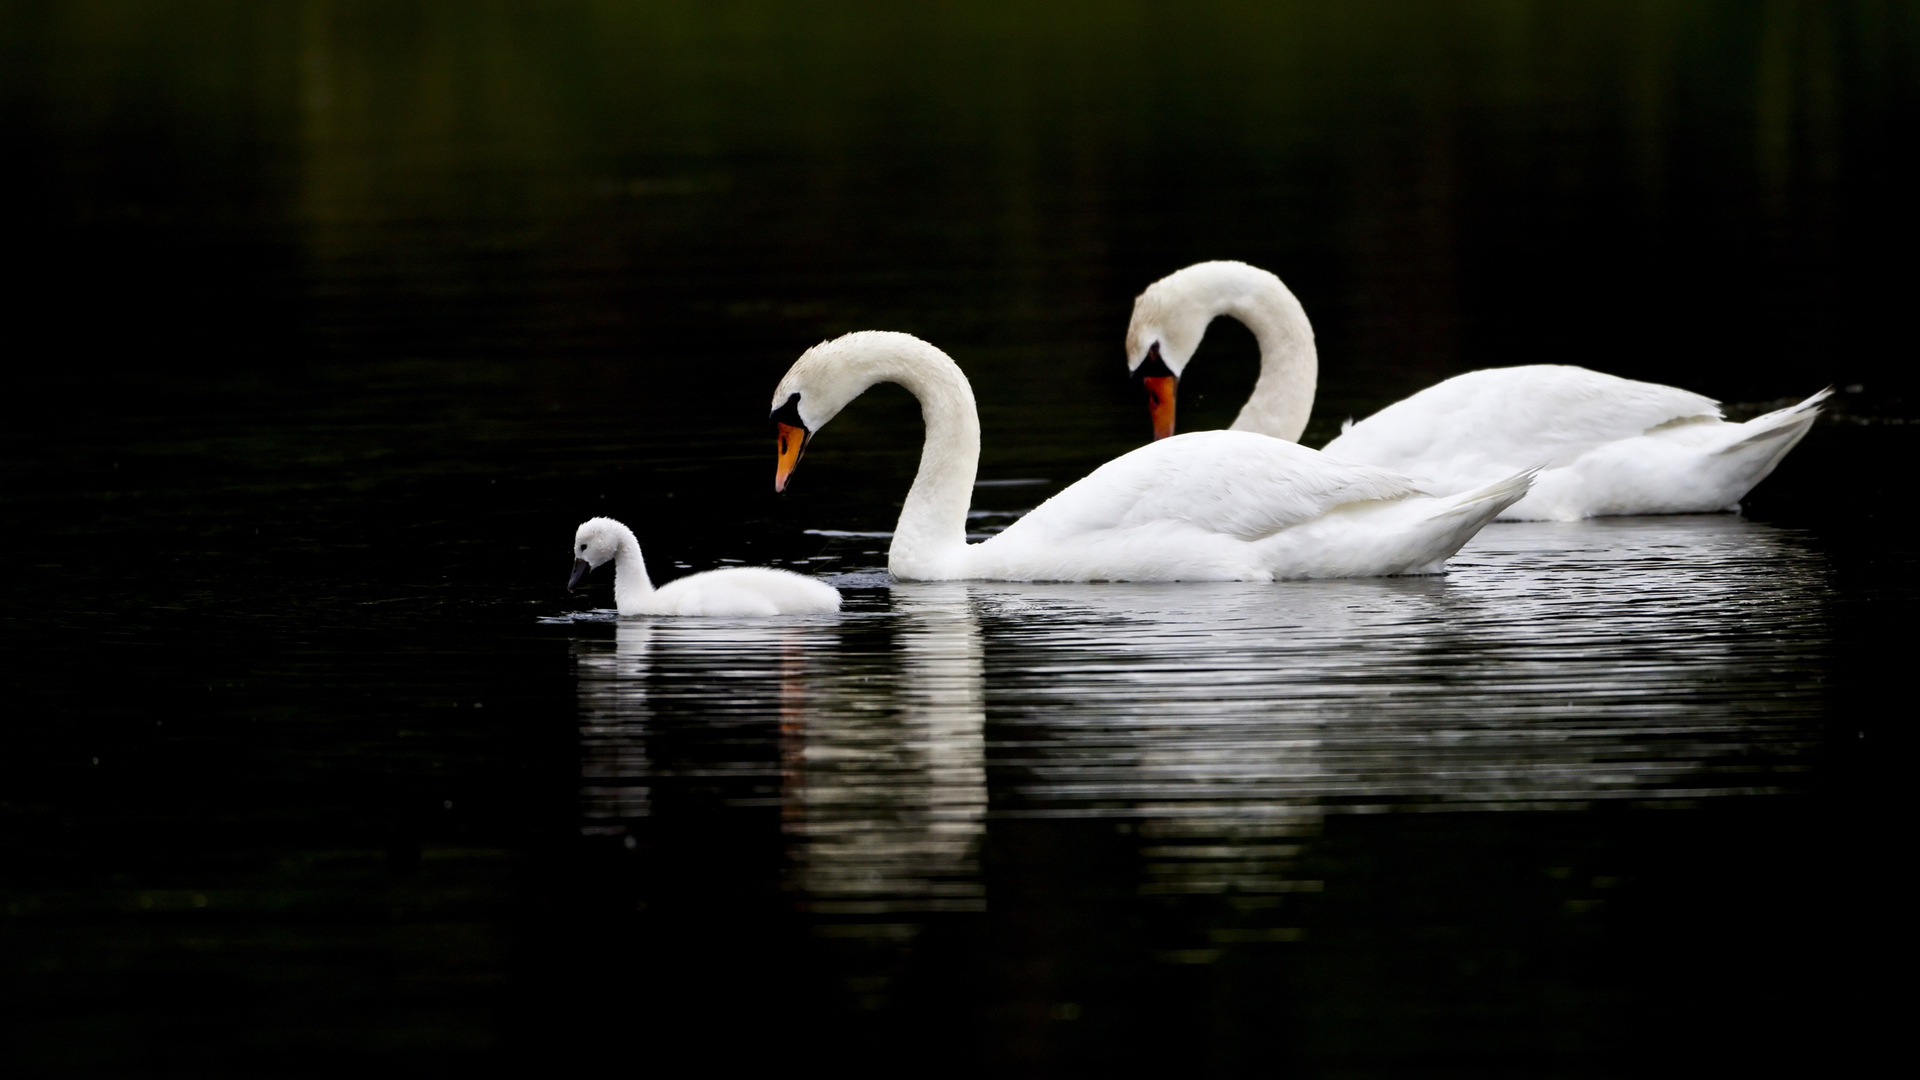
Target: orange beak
792, 440
1160, 390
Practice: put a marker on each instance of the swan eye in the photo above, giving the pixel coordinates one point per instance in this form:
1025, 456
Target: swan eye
583, 547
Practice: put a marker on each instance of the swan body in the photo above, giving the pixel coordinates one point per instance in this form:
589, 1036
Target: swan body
1604, 445
740, 590
1209, 506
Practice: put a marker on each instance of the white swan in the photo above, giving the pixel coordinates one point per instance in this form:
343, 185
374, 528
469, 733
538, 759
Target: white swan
1604, 445
1212, 506
737, 590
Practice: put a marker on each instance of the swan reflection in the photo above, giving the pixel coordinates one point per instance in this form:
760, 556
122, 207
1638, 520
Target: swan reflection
1647, 662
881, 774
1640, 658
886, 788
614, 769
1559, 666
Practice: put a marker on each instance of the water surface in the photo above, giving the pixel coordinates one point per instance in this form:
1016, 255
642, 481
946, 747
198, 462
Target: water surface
335, 319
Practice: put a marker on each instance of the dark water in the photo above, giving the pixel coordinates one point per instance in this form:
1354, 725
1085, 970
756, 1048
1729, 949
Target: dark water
331, 321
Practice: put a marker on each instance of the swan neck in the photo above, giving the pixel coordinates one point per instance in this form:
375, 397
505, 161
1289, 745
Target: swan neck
631, 585
1289, 363
930, 540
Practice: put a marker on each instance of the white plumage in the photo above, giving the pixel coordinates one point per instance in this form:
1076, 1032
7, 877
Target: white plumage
1603, 444
1211, 506
741, 590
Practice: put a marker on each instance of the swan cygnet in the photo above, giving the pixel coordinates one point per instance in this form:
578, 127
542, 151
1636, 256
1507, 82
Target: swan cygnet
1211, 506
1604, 445
737, 590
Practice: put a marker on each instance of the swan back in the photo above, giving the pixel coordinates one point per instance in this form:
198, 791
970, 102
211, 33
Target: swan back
1540, 414
1231, 483
1607, 445
1223, 505
745, 590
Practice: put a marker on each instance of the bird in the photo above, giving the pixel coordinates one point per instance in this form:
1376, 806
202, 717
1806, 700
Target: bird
736, 590
1209, 506
1603, 445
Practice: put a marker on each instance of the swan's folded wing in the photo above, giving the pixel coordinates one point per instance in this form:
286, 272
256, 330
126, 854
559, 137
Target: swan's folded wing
1507, 418
1231, 483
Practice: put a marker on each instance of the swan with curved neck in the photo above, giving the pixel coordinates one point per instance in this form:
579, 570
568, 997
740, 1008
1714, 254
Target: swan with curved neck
1603, 444
1171, 317
1211, 506
735, 590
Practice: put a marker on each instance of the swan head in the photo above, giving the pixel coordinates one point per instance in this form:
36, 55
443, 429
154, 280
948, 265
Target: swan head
824, 380
1170, 319
790, 434
1158, 349
594, 542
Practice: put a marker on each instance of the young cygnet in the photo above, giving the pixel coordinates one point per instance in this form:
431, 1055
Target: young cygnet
740, 590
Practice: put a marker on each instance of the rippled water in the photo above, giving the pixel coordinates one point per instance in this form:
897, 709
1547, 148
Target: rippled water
1212, 737
1657, 662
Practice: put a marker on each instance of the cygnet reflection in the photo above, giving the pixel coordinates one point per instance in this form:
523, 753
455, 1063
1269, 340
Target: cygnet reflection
881, 755
615, 774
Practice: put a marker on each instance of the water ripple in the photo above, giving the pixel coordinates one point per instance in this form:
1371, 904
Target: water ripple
1643, 661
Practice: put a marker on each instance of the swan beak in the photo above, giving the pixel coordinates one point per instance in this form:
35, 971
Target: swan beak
580, 569
1160, 390
792, 440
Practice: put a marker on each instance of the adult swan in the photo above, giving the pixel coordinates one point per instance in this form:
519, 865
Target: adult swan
1210, 506
1604, 445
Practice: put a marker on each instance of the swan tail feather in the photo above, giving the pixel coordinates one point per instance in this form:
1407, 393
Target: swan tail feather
1462, 516
1490, 500
1790, 423
1757, 447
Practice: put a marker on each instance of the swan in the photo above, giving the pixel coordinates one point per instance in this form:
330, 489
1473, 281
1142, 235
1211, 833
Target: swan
736, 590
1604, 445
1209, 506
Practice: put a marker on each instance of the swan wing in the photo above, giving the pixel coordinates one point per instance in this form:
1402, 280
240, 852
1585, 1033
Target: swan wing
1501, 419
1219, 483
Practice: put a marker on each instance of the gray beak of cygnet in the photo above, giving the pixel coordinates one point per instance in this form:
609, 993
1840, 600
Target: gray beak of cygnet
580, 569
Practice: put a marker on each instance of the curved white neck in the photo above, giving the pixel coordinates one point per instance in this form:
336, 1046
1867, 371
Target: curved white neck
931, 537
1289, 364
631, 585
